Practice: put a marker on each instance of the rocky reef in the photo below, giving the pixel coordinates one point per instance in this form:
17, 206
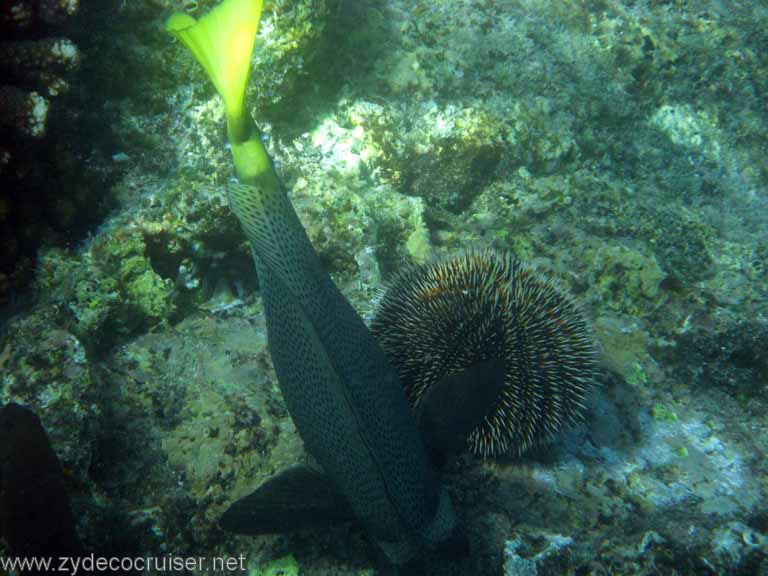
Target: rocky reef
51, 176
619, 146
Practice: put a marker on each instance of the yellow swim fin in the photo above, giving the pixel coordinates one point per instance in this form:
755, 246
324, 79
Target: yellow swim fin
222, 41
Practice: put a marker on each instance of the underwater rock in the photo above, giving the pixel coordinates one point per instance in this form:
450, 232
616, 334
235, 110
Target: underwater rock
347, 217
43, 63
154, 263
46, 192
294, 45
202, 398
529, 554
679, 239
22, 16
445, 155
47, 369
623, 277
736, 544
27, 60
731, 357
23, 111
285, 566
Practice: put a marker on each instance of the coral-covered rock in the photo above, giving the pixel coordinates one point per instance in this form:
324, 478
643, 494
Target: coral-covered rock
47, 369
36, 63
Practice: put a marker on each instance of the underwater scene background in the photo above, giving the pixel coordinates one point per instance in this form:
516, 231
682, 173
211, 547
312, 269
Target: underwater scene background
618, 147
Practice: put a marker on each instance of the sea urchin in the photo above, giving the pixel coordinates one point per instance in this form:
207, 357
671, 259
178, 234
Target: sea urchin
440, 319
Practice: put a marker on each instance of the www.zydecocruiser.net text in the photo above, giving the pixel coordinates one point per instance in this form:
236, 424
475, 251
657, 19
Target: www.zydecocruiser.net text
95, 564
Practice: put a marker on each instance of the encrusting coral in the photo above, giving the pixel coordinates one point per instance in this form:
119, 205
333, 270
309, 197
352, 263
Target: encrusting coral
35, 67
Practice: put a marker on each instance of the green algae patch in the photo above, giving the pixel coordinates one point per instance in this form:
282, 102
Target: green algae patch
407, 74
635, 375
418, 245
151, 294
625, 347
662, 413
626, 278
285, 566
